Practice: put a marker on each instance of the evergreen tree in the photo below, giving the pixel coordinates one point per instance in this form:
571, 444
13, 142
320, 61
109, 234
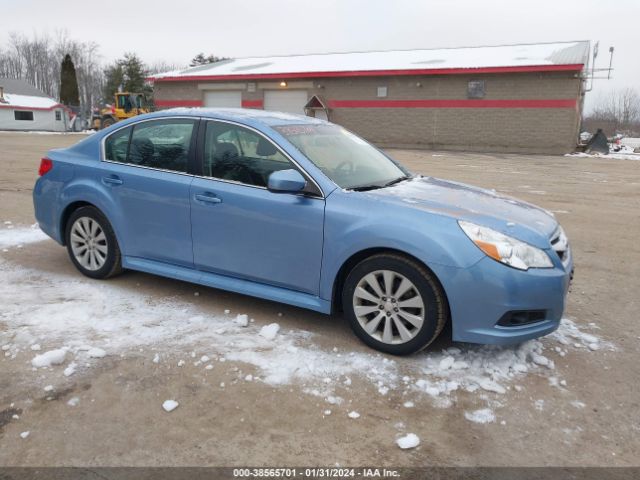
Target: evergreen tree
135, 73
200, 59
128, 74
113, 81
69, 94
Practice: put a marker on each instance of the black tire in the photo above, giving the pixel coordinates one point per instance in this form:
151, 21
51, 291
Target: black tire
107, 122
436, 310
113, 262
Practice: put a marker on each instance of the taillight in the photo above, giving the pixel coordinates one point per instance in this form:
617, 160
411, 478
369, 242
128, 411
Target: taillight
45, 166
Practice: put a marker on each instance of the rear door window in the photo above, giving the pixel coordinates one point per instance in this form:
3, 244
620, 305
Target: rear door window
162, 144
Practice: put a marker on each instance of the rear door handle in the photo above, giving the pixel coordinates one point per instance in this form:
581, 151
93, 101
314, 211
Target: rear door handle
112, 180
207, 198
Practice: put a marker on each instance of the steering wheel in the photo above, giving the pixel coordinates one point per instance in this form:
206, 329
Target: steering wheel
242, 173
344, 168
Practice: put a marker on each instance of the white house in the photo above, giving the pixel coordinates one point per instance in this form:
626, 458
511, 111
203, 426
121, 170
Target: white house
23, 107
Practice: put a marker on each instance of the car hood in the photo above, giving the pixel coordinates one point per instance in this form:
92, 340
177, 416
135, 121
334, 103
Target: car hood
505, 214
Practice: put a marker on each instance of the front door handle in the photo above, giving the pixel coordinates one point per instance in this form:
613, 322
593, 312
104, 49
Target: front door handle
207, 198
112, 180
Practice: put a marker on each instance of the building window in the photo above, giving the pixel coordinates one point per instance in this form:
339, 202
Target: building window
382, 91
22, 115
58, 115
475, 89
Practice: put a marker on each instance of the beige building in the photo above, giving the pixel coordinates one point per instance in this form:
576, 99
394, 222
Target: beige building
517, 98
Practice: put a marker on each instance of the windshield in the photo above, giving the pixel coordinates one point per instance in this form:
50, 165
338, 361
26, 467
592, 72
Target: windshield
345, 158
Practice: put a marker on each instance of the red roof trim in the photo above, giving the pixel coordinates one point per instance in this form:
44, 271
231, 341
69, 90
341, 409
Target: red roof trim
376, 73
464, 103
178, 103
252, 104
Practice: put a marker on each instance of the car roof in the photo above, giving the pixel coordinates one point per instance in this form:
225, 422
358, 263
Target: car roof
242, 115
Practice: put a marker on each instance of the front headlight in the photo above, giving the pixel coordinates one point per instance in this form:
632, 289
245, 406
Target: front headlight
506, 249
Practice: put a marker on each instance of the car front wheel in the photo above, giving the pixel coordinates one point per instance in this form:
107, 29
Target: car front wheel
92, 245
394, 304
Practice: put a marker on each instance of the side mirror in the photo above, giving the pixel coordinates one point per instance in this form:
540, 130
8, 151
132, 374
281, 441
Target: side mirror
286, 181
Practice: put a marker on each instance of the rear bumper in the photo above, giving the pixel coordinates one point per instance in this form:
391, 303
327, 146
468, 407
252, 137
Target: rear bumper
481, 295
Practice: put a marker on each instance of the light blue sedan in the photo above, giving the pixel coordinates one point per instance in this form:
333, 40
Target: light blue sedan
304, 212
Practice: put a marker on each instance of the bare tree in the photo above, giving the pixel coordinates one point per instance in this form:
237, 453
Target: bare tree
162, 67
37, 61
618, 111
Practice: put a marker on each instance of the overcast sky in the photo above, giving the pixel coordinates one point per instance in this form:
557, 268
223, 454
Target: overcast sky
174, 31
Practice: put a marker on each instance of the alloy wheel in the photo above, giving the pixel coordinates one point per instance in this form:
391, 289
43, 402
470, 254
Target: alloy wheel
388, 306
89, 243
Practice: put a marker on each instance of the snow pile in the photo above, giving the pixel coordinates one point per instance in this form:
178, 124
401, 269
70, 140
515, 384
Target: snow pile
625, 154
488, 368
270, 331
569, 334
410, 440
52, 357
484, 415
81, 320
493, 368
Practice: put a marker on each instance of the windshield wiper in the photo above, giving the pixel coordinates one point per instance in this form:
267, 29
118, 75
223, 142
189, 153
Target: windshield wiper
397, 180
364, 188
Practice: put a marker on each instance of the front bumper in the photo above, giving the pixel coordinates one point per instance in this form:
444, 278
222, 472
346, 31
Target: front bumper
481, 295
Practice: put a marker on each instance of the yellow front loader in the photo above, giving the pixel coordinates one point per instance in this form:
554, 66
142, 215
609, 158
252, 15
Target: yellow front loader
125, 105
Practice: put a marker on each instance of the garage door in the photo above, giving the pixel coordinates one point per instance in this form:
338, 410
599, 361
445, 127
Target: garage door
291, 101
223, 99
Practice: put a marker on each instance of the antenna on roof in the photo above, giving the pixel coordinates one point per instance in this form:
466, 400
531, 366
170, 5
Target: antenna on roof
592, 75
611, 49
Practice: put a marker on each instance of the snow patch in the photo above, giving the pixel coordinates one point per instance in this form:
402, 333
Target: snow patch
608, 156
96, 352
242, 320
483, 415
270, 331
79, 314
170, 405
15, 237
52, 357
410, 440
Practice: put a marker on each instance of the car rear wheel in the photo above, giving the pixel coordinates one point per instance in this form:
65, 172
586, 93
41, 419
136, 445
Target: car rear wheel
92, 245
394, 304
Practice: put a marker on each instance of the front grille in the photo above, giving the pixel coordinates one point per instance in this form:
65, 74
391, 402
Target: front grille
560, 245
